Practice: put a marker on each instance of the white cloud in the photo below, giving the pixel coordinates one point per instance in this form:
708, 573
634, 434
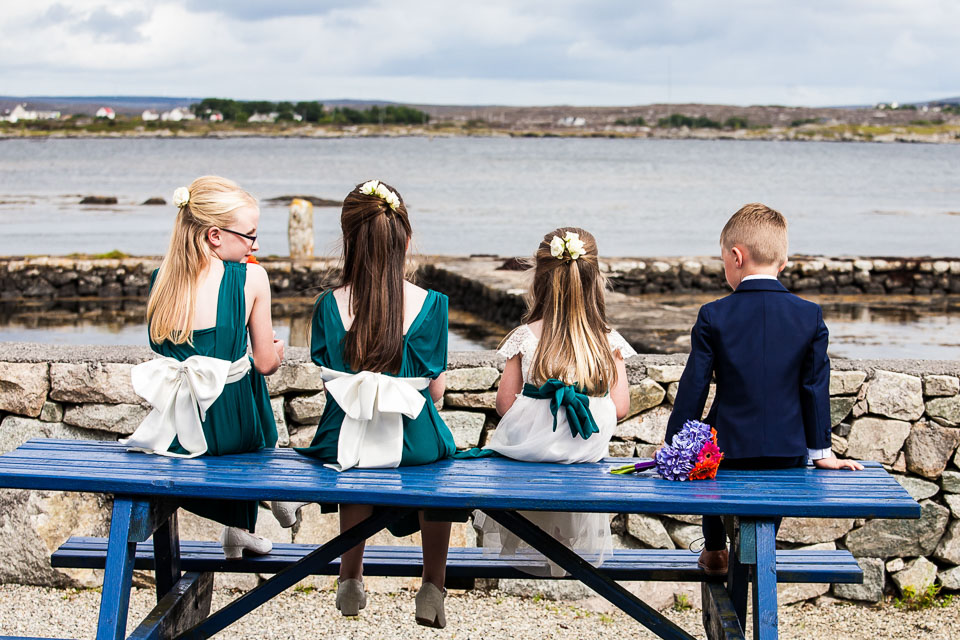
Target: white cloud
494, 52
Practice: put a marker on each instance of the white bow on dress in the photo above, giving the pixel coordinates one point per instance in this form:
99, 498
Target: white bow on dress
180, 393
371, 435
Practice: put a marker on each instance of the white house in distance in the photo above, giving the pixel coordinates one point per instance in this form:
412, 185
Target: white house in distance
106, 112
177, 114
264, 117
20, 112
215, 116
149, 115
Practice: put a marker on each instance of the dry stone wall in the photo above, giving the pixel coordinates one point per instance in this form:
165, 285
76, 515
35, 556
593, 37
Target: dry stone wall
903, 413
49, 277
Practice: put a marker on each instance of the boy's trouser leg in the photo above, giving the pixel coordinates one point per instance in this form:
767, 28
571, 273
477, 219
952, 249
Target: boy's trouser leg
714, 535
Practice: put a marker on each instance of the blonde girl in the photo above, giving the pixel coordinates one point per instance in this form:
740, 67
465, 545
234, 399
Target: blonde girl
205, 300
565, 349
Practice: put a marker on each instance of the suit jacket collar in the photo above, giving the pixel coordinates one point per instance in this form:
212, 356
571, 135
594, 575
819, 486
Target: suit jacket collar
761, 284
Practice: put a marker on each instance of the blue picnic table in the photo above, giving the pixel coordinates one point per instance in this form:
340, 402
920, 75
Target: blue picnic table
148, 489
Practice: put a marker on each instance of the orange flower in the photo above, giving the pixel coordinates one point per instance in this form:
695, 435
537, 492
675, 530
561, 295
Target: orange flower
252, 259
704, 471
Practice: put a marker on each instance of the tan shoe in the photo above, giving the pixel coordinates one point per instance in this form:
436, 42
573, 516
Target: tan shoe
430, 606
713, 563
350, 596
235, 541
287, 513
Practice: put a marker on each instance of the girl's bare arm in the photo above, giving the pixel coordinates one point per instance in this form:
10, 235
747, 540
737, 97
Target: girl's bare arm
511, 384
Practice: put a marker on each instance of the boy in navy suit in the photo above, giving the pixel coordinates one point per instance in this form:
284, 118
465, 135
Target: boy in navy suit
768, 350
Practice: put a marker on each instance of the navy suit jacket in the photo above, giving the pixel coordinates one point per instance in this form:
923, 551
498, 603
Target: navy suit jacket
768, 349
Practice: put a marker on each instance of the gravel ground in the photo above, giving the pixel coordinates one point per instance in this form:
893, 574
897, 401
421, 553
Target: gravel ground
43, 612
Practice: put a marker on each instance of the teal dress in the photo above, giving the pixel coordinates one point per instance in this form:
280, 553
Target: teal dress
426, 438
241, 419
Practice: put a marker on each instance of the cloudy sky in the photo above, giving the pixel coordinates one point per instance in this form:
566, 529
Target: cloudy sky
519, 52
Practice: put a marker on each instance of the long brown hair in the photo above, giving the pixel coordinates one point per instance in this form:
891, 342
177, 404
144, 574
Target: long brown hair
567, 296
374, 257
173, 298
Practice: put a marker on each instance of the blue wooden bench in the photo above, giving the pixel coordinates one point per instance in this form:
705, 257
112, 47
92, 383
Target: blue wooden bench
147, 491
676, 565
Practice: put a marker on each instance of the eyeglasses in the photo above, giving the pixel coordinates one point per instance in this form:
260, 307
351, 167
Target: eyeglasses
242, 235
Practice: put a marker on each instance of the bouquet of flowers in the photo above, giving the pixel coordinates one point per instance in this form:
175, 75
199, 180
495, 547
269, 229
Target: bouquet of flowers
693, 454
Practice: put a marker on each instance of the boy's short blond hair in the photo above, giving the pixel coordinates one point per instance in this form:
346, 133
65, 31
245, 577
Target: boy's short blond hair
760, 230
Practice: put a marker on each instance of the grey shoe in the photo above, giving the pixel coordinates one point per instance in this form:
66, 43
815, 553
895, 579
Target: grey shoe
235, 541
350, 596
287, 513
430, 606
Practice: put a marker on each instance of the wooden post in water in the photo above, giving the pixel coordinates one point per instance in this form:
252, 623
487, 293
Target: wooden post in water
300, 229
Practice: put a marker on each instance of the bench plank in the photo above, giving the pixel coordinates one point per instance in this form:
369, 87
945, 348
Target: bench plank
490, 483
465, 562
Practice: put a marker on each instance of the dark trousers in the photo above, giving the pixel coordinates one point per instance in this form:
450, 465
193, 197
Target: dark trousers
714, 534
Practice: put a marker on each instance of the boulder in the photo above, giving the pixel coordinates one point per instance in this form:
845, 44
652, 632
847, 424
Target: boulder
839, 445
307, 409
918, 574
950, 579
483, 400
949, 548
24, 387
941, 385
953, 502
98, 200
813, 530
876, 439
945, 410
156, 200
15, 430
36, 523
665, 372
295, 376
51, 412
929, 447
895, 565
917, 488
283, 435
895, 395
683, 535
840, 408
950, 481
473, 379
645, 395
466, 427
846, 382
621, 449
649, 530
798, 592
107, 382
897, 538
872, 588
115, 418
650, 426
672, 389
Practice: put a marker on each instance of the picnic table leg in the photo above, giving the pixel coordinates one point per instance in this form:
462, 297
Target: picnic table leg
166, 554
765, 580
738, 575
588, 574
121, 551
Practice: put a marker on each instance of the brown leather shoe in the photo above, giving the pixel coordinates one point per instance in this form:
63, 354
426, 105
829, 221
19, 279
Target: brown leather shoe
713, 563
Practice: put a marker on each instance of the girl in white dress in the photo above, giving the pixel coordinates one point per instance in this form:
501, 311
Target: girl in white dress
565, 345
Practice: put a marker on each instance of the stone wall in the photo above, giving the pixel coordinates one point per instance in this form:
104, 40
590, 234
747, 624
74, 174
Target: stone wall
64, 277
905, 414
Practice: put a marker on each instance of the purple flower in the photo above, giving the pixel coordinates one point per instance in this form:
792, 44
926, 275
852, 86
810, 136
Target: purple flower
676, 460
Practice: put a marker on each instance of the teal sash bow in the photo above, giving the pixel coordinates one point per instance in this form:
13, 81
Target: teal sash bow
575, 404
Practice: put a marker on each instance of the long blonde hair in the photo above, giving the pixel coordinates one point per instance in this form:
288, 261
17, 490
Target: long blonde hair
173, 298
567, 296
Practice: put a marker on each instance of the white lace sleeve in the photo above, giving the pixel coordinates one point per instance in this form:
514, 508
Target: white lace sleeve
617, 343
514, 342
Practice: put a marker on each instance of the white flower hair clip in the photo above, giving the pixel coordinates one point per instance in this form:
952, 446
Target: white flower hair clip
181, 196
377, 188
569, 243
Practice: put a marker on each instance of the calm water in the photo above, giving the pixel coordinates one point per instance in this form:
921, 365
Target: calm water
498, 195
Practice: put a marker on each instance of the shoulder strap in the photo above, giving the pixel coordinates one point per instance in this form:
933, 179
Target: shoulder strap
232, 312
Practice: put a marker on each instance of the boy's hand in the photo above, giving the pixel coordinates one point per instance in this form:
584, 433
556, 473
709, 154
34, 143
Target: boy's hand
837, 463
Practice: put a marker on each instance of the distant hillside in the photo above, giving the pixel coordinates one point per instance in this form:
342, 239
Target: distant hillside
135, 105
